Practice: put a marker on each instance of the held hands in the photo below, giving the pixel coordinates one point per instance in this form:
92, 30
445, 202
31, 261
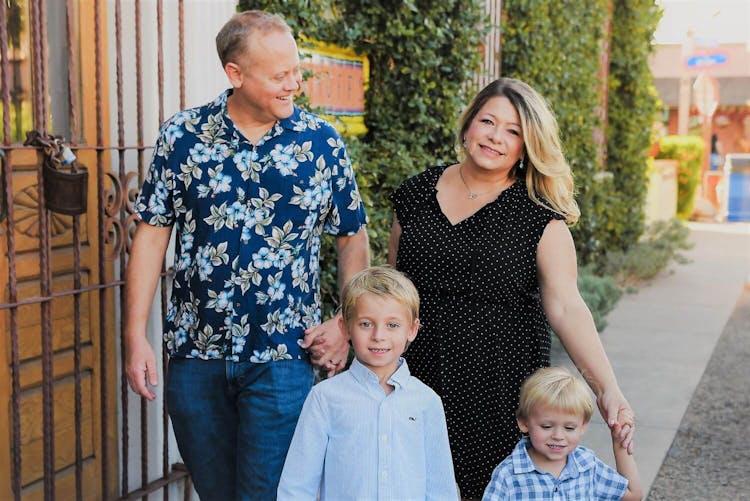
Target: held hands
619, 417
328, 345
140, 366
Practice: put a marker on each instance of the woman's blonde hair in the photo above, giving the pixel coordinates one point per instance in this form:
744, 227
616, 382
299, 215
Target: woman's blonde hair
382, 281
555, 387
549, 179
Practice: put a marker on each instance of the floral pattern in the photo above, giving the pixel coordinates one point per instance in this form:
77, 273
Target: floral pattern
248, 222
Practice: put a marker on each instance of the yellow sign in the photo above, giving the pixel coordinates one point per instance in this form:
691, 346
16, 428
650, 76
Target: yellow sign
337, 85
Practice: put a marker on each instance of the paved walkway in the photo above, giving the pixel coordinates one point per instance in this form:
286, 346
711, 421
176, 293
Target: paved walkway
660, 339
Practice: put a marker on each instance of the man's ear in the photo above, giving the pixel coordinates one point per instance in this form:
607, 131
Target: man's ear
342, 324
234, 74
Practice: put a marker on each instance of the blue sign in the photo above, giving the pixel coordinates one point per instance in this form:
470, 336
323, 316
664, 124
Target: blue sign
706, 60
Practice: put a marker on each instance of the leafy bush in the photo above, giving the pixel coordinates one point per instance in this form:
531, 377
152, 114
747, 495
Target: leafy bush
632, 108
688, 151
600, 293
661, 244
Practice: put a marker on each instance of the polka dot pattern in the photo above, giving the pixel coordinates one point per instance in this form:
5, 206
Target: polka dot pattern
483, 328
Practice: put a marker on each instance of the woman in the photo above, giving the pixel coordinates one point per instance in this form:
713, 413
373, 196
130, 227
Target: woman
487, 244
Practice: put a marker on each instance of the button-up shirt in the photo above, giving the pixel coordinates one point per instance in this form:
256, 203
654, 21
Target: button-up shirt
355, 442
584, 478
248, 220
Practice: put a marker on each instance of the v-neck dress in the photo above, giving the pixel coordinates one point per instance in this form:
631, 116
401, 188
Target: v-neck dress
483, 328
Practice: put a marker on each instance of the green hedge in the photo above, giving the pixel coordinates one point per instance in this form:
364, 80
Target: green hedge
688, 151
632, 108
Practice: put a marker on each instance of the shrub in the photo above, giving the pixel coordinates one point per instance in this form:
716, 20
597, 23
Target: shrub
600, 293
688, 151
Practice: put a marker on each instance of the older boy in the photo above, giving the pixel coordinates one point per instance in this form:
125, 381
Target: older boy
375, 431
548, 464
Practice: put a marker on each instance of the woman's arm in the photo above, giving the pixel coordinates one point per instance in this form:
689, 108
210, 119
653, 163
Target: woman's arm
571, 320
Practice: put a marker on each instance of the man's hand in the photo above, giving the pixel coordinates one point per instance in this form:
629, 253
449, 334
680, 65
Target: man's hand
140, 366
328, 345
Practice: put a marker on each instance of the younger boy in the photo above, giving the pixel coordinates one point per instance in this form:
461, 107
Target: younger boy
554, 411
374, 431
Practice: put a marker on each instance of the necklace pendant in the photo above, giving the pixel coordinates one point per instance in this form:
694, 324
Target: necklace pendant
472, 196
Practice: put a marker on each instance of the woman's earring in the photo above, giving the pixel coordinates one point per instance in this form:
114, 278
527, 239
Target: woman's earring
520, 164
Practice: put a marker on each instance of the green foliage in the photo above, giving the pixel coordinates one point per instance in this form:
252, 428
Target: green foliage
632, 108
600, 293
660, 245
688, 151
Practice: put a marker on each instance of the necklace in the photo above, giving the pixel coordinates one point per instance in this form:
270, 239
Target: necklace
472, 194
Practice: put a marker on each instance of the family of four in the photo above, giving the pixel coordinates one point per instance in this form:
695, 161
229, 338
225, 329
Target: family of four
249, 183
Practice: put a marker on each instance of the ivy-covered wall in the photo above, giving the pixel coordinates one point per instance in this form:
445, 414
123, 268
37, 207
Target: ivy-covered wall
632, 106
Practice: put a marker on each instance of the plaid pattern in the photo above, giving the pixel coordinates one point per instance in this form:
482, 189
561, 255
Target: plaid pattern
585, 477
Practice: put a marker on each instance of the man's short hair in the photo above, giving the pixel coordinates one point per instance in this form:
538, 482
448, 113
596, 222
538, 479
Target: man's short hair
234, 35
382, 281
555, 387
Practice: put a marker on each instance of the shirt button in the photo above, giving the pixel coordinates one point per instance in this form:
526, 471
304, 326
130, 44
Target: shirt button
384, 475
383, 438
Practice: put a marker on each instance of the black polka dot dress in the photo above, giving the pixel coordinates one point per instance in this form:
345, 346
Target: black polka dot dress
483, 328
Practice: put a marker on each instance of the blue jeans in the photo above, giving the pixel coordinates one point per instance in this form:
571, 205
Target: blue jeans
234, 422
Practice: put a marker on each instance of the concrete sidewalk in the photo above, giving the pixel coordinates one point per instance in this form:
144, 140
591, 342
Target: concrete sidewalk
660, 339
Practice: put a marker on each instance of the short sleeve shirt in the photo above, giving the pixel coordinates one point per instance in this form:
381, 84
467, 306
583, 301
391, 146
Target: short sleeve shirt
584, 477
248, 221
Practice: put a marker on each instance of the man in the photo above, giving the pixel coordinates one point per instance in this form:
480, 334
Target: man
249, 182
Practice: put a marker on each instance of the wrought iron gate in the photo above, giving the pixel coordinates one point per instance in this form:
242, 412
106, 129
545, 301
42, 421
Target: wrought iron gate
68, 434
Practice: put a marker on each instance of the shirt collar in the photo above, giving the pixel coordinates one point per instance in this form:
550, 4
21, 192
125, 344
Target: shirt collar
364, 375
288, 123
580, 460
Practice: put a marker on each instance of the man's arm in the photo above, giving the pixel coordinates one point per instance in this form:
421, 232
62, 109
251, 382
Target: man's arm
142, 276
327, 343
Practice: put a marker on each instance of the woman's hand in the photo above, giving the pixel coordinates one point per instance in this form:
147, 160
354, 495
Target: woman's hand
619, 416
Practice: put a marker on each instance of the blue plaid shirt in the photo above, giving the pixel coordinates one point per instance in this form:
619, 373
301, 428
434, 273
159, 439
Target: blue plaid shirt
248, 221
584, 478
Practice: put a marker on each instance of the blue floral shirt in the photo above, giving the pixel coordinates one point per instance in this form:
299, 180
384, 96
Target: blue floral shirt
248, 222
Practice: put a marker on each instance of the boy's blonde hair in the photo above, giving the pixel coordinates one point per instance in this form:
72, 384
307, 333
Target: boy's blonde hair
555, 387
382, 281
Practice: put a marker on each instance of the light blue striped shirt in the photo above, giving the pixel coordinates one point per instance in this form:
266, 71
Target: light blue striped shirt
355, 442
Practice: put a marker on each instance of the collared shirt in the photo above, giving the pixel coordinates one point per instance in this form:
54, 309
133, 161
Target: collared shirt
355, 442
248, 222
584, 478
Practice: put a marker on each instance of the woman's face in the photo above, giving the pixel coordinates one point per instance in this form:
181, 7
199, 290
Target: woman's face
494, 139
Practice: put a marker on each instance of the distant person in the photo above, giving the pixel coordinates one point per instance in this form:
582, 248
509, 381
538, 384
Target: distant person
717, 160
374, 431
554, 412
487, 244
249, 183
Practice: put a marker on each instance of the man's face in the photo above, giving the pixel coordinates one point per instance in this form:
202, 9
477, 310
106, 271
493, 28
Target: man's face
268, 76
